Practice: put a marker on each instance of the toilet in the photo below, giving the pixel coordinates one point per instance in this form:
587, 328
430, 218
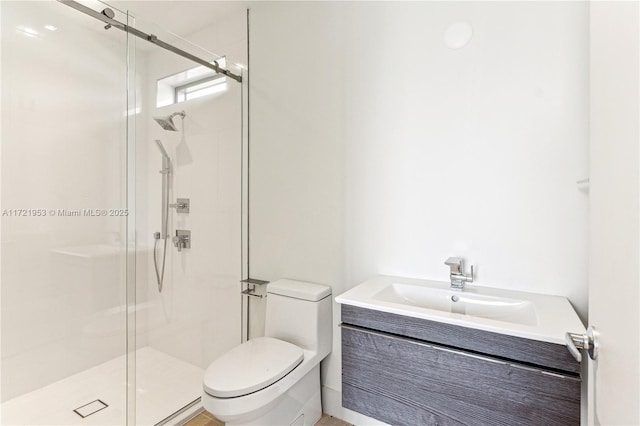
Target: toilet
275, 379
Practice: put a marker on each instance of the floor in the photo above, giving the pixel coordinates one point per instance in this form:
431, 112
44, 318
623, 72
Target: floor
206, 419
328, 420
53, 404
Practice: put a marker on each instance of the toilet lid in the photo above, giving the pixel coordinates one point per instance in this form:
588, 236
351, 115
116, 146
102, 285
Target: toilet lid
252, 366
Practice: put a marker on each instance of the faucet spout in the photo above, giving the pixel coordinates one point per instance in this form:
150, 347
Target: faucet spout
456, 273
456, 264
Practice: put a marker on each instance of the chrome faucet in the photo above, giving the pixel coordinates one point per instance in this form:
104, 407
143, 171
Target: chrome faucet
457, 275
182, 240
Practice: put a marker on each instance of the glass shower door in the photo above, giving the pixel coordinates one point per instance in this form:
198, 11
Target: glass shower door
189, 142
64, 217
88, 335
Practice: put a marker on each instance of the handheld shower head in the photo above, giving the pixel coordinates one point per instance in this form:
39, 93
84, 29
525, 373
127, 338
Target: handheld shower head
166, 160
161, 148
167, 122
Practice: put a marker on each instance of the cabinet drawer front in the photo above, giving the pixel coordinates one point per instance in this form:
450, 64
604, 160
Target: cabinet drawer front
544, 354
406, 382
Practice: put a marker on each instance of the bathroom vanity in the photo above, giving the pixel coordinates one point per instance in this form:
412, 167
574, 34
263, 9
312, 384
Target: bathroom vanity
416, 352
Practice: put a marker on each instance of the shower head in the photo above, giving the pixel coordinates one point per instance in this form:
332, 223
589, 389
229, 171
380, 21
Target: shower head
167, 122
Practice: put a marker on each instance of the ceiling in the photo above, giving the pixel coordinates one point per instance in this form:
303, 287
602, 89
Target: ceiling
180, 17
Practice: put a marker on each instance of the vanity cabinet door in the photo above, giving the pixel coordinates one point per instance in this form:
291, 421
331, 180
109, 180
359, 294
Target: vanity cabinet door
404, 381
545, 355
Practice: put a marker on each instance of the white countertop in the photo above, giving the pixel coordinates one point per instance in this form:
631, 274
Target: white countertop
554, 315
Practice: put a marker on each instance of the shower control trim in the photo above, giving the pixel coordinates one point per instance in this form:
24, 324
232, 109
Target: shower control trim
181, 205
182, 240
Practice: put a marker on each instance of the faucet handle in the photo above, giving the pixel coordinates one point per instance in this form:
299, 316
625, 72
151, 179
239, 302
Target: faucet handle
182, 240
177, 242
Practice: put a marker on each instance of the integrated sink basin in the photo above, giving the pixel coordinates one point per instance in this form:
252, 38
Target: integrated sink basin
465, 302
528, 315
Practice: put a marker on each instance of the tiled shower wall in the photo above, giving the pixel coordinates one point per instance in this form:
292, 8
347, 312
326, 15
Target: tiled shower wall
197, 317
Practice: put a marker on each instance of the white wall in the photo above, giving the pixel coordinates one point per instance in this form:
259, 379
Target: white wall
297, 169
614, 231
472, 152
377, 150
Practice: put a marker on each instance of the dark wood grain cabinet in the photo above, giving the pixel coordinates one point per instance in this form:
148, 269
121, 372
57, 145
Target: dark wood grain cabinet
395, 371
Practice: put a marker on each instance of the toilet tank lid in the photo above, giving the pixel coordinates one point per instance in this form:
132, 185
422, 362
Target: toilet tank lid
299, 289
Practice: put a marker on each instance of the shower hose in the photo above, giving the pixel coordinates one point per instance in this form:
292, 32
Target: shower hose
160, 273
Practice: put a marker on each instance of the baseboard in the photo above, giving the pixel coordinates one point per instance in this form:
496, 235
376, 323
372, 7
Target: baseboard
332, 405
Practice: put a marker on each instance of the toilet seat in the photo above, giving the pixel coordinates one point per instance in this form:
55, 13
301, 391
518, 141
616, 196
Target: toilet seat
251, 366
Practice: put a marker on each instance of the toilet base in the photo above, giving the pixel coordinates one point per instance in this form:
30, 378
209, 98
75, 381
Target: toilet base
299, 406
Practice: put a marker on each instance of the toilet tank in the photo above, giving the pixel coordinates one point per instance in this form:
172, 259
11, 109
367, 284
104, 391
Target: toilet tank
300, 313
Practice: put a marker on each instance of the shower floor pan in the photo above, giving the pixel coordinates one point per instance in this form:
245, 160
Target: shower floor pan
164, 384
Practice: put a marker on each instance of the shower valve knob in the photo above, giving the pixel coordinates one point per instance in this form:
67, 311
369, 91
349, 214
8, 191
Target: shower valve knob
181, 205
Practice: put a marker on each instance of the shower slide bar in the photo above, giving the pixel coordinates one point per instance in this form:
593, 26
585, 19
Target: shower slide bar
148, 37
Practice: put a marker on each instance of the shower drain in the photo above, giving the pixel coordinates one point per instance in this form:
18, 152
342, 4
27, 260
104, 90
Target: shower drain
91, 408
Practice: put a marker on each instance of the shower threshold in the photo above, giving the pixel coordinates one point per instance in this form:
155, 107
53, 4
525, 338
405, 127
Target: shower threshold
164, 385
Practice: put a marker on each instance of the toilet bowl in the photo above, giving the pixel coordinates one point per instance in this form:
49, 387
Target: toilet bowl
275, 379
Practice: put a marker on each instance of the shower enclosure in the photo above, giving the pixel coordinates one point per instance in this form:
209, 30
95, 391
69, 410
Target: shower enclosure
87, 334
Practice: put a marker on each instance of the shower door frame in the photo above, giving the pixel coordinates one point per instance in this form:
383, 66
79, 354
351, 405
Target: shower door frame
130, 256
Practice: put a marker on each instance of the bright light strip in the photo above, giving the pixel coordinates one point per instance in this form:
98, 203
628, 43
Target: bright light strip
50, 27
132, 111
29, 32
